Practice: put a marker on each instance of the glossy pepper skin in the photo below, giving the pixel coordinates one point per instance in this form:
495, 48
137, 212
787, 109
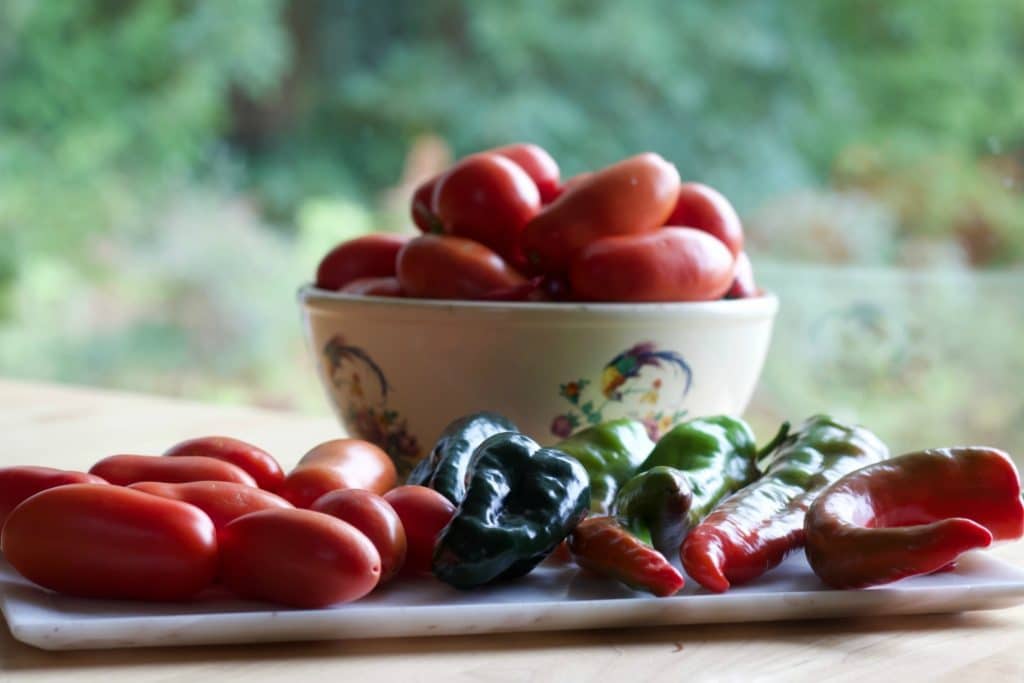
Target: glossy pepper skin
605, 547
710, 457
445, 468
753, 530
914, 514
521, 502
610, 452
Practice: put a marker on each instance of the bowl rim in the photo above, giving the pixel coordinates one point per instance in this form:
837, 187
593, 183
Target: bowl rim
764, 305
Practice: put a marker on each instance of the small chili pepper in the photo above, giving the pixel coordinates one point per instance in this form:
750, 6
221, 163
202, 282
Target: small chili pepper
610, 452
912, 515
754, 529
521, 501
692, 468
604, 546
444, 469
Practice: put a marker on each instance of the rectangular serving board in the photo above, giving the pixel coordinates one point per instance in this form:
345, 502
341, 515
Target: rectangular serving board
551, 598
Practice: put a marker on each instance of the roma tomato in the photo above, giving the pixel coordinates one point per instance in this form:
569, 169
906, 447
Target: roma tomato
538, 164
257, 462
19, 483
488, 199
128, 469
223, 501
299, 558
373, 516
424, 512
672, 264
111, 542
704, 208
423, 214
338, 464
569, 184
366, 256
374, 286
445, 267
634, 196
743, 284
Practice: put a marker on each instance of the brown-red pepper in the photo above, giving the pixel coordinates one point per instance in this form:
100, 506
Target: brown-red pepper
912, 515
604, 546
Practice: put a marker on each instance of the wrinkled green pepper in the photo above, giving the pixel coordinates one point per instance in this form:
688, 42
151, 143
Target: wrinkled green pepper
445, 468
521, 501
690, 470
610, 452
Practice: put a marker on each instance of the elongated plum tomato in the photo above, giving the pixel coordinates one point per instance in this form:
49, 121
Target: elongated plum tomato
110, 542
538, 164
704, 208
743, 284
568, 185
298, 558
128, 469
672, 264
446, 267
366, 256
423, 214
375, 518
223, 501
631, 197
20, 483
338, 464
424, 512
374, 286
489, 199
257, 462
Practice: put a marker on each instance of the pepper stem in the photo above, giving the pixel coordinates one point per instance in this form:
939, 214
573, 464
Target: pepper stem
776, 441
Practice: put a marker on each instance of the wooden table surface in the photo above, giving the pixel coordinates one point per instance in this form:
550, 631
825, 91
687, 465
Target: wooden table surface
73, 427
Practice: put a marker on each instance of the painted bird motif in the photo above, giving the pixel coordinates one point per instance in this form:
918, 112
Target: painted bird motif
628, 364
338, 352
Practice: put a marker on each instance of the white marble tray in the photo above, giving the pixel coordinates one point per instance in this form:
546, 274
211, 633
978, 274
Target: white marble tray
551, 598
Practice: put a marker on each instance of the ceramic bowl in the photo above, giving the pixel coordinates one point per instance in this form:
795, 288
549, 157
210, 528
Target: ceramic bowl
397, 371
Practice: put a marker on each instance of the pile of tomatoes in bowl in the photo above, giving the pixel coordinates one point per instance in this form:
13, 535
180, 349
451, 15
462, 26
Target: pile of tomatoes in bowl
502, 225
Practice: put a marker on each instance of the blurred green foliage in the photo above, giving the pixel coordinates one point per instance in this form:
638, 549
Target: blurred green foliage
170, 170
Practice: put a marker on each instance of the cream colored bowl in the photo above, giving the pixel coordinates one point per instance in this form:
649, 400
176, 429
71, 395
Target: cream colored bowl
398, 370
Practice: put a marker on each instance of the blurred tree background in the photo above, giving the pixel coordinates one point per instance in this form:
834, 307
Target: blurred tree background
171, 170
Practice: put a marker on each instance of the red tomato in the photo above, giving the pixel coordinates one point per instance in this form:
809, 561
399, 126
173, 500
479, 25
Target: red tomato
672, 264
128, 469
538, 164
489, 199
373, 516
704, 208
424, 512
445, 267
253, 459
743, 285
338, 464
111, 542
19, 483
366, 256
374, 286
569, 184
631, 197
298, 558
223, 501
423, 214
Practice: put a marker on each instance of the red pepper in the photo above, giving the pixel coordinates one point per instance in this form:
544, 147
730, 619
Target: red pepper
604, 546
912, 515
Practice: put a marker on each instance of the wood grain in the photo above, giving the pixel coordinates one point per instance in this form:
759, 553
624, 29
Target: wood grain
73, 427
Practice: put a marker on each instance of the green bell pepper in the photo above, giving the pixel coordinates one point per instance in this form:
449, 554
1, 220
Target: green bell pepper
445, 468
521, 501
610, 452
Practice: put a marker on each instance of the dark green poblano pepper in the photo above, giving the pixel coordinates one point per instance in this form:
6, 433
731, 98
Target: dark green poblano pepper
445, 468
689, 471
521, 501
610, 452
